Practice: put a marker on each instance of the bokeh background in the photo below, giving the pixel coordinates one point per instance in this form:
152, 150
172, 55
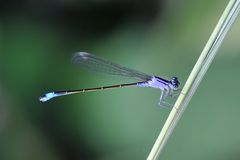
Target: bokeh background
162, 37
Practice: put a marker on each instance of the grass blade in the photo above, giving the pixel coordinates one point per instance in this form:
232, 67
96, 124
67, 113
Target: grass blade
210, 50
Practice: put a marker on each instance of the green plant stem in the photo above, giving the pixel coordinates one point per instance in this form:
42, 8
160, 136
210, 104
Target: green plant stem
224, 24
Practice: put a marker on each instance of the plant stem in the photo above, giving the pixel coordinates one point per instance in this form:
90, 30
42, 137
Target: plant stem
224, 24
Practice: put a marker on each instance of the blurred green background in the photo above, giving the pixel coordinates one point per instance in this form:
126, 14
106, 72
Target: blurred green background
163, 38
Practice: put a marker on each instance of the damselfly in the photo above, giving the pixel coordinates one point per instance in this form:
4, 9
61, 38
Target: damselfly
92, 62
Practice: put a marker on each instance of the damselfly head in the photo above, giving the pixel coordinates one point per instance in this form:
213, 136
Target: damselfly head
175, 82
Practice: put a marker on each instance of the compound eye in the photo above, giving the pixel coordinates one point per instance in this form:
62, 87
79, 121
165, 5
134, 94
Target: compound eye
175, 82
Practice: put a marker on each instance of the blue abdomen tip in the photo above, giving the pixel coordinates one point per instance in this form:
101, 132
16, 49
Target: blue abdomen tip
47, 96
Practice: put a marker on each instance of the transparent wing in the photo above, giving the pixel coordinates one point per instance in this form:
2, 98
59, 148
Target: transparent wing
94, 63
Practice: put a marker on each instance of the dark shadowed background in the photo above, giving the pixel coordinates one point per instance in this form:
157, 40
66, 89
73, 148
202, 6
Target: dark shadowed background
38, 39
